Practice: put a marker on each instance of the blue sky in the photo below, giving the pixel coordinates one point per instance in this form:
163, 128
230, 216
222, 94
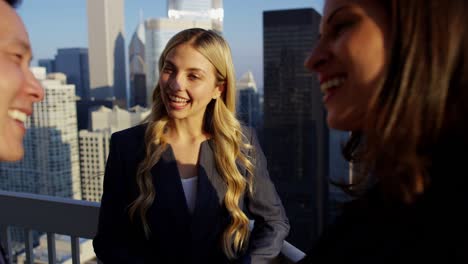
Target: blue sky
56, 24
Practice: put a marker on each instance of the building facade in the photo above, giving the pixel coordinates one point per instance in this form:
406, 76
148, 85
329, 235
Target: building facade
211, 10
248, 101
49, 64
107, 50
94, 149
117, 119
137, 67
295, 134
51, 163
95, 144
73, 62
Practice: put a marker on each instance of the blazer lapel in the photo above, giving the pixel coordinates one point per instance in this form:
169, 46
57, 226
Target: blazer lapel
169, 207
210, 196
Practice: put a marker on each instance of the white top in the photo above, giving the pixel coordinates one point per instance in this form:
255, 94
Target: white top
190, 191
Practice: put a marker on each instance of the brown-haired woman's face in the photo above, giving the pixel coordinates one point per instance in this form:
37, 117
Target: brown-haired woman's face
349, 58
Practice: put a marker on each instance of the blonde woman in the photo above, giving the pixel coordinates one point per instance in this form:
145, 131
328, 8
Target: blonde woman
178, 188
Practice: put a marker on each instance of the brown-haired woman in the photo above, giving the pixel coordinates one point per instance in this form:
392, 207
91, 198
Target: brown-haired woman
178, 188
395, 72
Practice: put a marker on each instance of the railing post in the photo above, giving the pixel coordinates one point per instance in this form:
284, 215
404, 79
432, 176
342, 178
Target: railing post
6, 240
51, 248
75, 248
29, 246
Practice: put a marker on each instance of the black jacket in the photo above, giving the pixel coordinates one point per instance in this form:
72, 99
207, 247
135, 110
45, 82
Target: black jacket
373, 229
176, 235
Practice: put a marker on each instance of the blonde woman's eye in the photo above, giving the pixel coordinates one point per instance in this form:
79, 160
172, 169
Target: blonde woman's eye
167, 69
193, 77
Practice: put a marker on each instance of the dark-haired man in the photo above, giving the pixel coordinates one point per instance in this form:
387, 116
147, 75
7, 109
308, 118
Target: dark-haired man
19, 89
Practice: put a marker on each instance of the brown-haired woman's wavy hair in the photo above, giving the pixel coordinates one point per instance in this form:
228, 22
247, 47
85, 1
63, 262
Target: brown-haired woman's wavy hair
423, 98
230, 146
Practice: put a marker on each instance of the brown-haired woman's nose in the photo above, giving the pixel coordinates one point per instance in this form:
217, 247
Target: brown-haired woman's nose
317, 58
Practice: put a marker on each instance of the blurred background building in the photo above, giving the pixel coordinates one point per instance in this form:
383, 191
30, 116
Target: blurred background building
211, 10
295, 135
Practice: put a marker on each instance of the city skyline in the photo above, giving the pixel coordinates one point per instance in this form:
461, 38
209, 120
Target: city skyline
242, 26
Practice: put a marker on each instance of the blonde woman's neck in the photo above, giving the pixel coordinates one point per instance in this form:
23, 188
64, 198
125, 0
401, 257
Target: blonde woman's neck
186, 131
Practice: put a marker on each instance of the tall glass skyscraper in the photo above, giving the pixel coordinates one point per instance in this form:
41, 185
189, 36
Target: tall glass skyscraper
137, 65
248, 102
295, 139
73, 62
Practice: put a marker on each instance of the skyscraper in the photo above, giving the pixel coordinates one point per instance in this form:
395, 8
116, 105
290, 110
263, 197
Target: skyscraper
107, 50
158, 33
116, 118
248, 103
50, 165
295, 132
137, 66
49, 64
73, 62
94, 149
94, 145
198, 9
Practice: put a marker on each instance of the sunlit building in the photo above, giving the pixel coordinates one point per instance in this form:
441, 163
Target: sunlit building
94, 145
94, 149
137, 65
198, 9
50, 165
106, 43
117, 119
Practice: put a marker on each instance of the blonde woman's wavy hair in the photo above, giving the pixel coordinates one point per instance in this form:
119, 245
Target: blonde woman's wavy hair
230, 146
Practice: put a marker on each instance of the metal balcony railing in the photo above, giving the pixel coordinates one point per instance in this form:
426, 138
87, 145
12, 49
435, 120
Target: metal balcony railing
56, 215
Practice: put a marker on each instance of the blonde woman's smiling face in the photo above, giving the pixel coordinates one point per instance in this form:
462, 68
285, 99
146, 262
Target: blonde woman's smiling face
188, 83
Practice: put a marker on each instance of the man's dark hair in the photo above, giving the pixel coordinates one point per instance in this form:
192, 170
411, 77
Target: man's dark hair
13, 3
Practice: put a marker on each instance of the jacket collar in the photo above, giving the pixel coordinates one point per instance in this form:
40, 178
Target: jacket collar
210, 194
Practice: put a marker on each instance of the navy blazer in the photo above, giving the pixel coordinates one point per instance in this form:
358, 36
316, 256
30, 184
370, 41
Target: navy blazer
176, 235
